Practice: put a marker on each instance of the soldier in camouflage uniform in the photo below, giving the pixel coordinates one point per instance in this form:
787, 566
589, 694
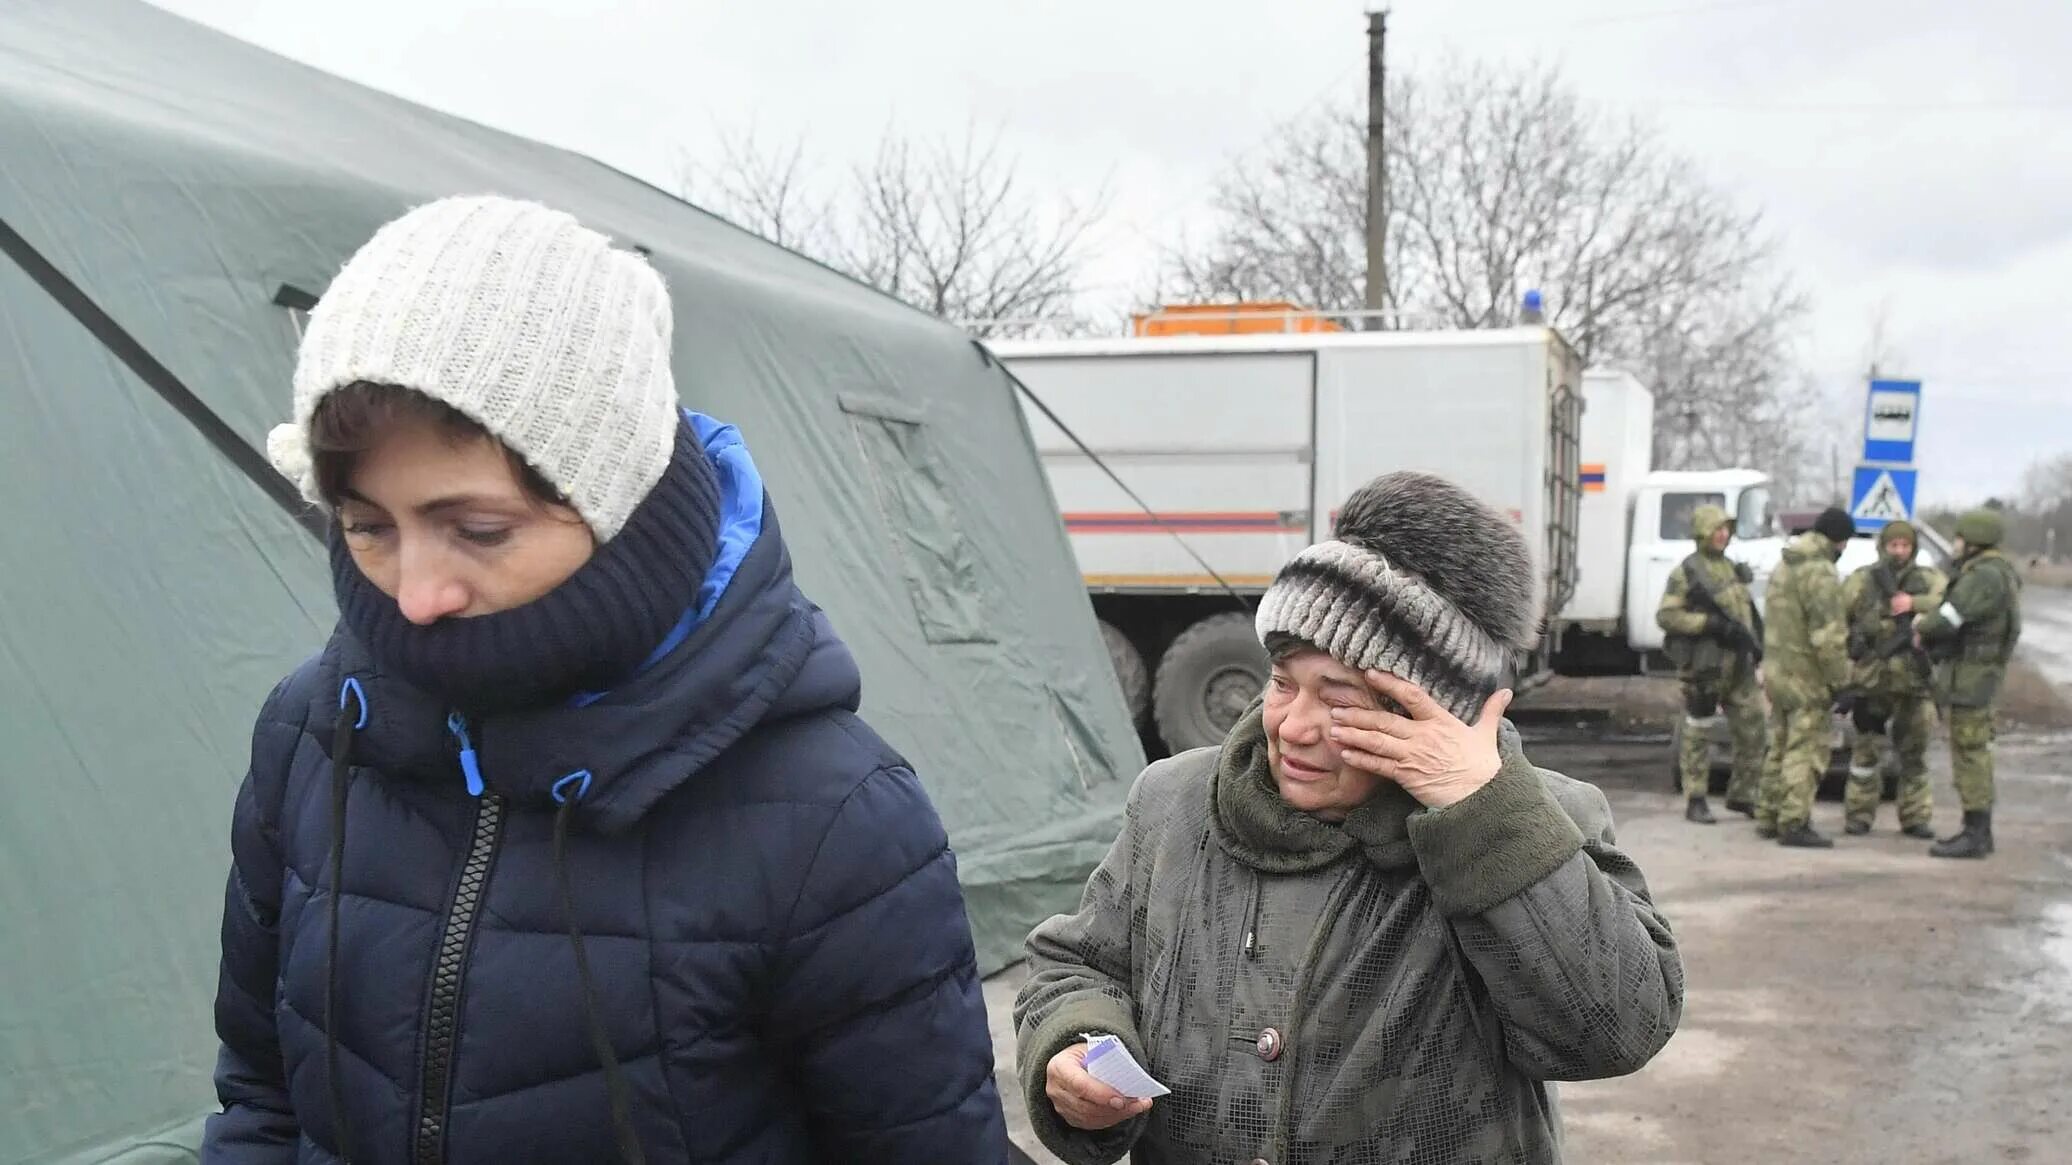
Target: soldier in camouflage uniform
1715, 638
1806, 666
1973, 632
1891, 687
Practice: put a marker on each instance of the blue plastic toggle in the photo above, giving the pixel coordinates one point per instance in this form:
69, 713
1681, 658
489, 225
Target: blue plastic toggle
351, 689
470, 767
580, 779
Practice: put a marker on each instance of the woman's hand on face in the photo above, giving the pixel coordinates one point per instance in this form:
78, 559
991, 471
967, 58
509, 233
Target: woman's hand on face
1084, 1102
1427, 750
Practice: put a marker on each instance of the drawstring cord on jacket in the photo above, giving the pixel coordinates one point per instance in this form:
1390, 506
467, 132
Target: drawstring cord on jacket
352, 716
568, 790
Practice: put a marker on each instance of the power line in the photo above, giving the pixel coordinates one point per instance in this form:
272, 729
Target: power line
986, 354
1634, 16
1638, 15
1843, 106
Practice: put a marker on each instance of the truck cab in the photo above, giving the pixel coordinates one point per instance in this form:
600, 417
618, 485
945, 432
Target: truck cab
1662, 509
1636, 530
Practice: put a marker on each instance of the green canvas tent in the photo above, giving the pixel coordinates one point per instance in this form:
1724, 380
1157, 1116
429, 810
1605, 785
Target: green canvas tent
170, 199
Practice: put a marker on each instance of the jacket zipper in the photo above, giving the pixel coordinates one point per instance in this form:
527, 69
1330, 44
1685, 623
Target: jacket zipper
449, 967
1251, 947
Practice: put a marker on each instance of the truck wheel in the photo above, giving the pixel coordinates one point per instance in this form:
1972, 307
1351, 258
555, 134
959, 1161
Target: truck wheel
1207, 678
1130, 671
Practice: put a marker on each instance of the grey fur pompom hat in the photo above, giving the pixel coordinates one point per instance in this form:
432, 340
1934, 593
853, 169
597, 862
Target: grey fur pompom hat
1422, 581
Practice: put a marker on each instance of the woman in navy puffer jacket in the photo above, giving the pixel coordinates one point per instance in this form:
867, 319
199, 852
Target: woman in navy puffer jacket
570, 846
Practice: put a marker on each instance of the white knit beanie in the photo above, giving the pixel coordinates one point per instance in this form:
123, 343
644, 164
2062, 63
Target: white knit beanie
519, 317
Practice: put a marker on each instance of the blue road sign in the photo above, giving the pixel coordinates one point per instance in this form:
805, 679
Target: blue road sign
1891, 418
1880, 495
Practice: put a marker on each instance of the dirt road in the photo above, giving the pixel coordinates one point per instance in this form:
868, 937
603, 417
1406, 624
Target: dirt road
1867, 1004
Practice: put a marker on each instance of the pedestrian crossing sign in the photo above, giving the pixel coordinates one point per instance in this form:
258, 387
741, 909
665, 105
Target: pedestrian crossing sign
1880, 495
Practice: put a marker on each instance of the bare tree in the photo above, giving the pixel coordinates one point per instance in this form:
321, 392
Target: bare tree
1727, 389
1291, 225
947, 226
2047, 484
1502, 181
768, 191
1880, 352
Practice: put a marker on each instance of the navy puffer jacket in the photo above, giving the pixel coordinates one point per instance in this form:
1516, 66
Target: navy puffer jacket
776, 941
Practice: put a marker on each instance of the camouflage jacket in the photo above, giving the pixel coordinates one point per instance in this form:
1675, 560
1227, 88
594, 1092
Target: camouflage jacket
1881, 645
1806, 641
1696, 651
1403, 1001
1974, 629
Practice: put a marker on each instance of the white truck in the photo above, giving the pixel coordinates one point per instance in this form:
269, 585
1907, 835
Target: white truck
1241, 448
1245, 445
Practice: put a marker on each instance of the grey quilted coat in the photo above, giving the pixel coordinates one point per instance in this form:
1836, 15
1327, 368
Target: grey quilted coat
1398, 989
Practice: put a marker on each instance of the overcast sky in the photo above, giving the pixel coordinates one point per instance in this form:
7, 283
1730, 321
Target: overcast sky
1914, 158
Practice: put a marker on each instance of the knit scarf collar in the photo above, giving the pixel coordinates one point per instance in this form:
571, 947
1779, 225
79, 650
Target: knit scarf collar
587, 634
1256, 827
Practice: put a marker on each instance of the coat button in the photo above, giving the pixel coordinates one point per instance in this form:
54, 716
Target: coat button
1269, 1045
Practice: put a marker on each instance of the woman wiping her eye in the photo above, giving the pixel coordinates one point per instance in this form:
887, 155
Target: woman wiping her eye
1366, 930
570, 845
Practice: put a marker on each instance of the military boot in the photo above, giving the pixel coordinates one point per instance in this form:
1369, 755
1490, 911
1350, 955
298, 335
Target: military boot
1766, 830
1698, 811
1975, 840
1856, 827
1920, 829
1744, 808
1802, 836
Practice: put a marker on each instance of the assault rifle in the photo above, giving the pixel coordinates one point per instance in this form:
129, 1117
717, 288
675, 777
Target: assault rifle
1902, 637
1730, 631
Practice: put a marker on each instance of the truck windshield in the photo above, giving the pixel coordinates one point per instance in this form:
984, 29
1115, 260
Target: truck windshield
1756, 518
1678, 508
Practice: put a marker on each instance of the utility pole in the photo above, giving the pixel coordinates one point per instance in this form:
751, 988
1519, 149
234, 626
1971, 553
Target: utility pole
1377, 166
1868, 381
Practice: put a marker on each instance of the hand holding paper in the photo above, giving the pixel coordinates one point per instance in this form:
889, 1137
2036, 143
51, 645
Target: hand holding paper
1109, 1061
1086, 1084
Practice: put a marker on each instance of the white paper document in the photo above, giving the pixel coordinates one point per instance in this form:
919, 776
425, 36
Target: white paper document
1110, 1062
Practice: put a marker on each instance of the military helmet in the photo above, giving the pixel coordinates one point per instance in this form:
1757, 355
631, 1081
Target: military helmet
1982, 528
